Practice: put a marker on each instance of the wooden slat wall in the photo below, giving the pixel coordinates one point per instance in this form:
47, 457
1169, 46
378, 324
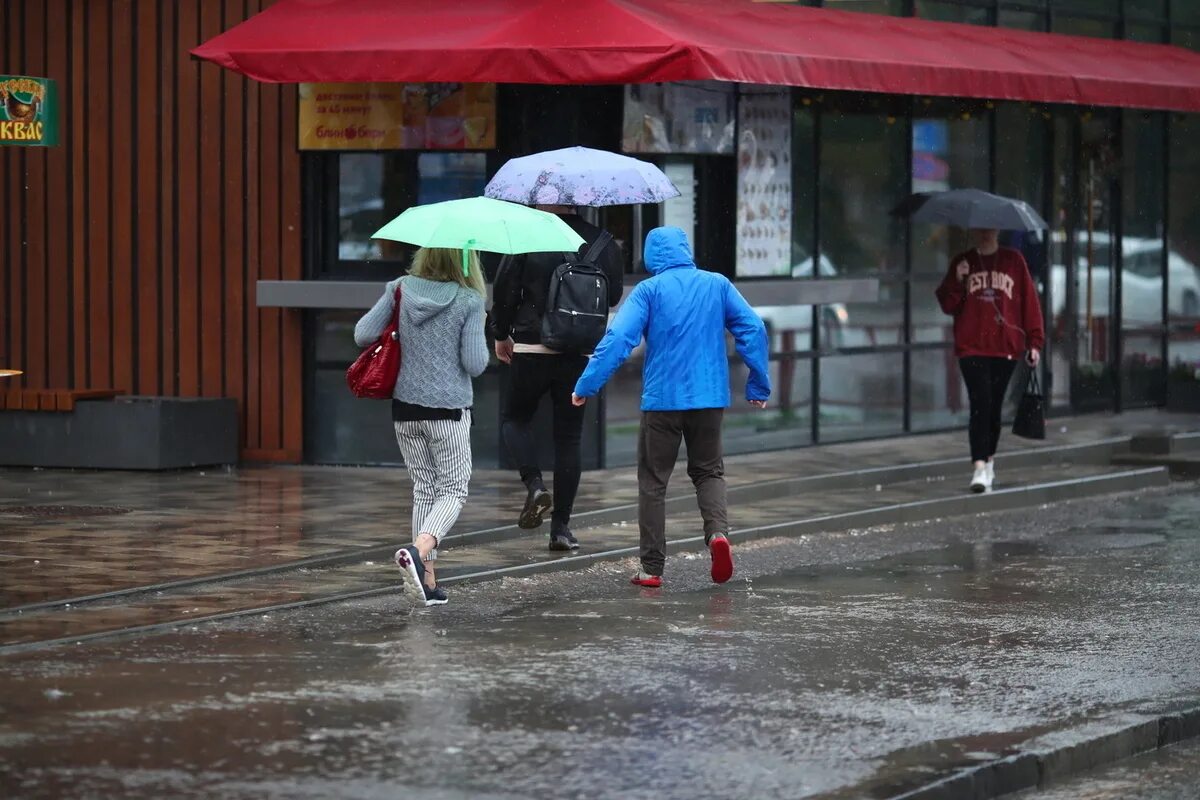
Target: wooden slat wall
131, 250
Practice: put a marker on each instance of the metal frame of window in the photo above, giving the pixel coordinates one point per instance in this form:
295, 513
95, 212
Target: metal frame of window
320, 218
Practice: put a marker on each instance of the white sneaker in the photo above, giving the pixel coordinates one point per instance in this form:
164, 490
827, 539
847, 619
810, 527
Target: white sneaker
991, 474
980, 481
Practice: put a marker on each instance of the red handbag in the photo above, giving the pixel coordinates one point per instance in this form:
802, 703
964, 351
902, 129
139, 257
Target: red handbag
373, 373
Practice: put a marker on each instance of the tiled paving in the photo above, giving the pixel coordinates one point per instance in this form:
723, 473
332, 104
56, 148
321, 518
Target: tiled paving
70, 534
167, 527
528, 548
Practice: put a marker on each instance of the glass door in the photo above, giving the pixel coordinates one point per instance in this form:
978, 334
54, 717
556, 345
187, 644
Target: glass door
1083, 263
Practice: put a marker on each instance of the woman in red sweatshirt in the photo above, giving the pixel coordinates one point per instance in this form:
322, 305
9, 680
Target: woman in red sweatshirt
997, 319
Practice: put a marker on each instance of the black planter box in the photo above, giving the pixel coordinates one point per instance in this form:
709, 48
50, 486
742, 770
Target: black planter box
131, 432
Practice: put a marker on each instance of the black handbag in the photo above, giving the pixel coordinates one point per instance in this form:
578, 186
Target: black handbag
1030, 422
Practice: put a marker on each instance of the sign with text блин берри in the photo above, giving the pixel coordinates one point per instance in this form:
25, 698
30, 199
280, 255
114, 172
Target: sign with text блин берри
28, 111
397, 116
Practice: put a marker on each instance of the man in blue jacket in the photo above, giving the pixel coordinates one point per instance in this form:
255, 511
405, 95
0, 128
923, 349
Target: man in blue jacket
683, 313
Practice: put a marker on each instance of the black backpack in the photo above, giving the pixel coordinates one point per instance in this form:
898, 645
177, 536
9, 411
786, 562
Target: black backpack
576, 314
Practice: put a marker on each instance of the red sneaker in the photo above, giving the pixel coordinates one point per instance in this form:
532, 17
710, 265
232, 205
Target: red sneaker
722, 559
645, 579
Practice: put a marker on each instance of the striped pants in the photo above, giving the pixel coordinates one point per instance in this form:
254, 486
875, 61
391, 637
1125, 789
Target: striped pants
438, 456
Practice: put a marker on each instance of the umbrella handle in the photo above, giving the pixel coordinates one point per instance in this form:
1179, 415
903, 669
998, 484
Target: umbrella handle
466, 258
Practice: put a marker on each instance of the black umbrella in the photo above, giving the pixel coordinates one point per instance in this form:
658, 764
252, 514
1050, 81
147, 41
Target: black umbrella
970, 208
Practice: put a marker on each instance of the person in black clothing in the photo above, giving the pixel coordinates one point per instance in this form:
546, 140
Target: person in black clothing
518, 304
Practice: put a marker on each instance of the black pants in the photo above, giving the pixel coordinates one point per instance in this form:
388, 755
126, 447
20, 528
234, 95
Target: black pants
658, 448
532, 376
987, 384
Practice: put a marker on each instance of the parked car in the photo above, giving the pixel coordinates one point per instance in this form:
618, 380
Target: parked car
1142, 285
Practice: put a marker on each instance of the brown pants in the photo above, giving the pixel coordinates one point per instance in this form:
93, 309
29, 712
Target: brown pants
658, 449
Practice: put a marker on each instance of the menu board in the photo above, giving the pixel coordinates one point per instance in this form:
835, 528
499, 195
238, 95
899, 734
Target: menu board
764, 198
397, 116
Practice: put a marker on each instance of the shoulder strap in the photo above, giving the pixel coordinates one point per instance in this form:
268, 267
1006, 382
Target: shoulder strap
597, 247
396, 298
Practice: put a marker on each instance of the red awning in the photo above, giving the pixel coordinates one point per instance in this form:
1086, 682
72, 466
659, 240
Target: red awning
645, 41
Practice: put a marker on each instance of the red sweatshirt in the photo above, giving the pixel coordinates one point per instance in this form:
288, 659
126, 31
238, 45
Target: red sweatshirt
995, 308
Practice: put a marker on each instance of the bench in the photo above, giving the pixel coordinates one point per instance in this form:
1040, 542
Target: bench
50, 399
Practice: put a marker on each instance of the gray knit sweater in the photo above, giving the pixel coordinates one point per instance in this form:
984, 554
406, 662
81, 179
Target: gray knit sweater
442, 345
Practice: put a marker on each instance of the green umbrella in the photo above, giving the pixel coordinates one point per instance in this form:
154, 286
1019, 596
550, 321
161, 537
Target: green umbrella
480, 223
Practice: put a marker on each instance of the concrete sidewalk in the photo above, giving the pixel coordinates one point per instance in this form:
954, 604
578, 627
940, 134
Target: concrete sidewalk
129, 550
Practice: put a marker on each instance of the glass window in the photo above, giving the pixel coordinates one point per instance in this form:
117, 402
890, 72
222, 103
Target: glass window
863, 176
1083, 26
787, 422
1186, 37
683, 117
938, 396
861, 396
949, 151
1185, 12
344, 429
1021, 170
1108, 8
1183, 253
375, 187
951, 11
1142, 259
893, 7
1145, 32
804, 192
1146, 9
1023, 20
875, 324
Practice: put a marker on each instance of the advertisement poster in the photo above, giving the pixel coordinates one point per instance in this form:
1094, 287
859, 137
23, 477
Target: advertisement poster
687, 117
764, 206
28, 111
397, 116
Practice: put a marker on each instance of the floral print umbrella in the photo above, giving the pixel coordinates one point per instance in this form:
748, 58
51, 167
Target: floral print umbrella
580, 176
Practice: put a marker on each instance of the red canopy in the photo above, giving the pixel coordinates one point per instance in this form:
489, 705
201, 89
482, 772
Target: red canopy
645, 41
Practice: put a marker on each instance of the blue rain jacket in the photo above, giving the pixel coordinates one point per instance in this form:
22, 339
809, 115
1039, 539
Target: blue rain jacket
683, 312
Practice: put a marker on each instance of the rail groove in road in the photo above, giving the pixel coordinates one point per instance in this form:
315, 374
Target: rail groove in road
1096, 452
956, 505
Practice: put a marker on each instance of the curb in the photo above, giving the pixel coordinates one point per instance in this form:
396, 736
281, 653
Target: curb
1101, 451
1042, 768
920, 510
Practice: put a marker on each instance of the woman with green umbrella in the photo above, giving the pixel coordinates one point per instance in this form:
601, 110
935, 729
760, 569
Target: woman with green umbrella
443, 347
441, 335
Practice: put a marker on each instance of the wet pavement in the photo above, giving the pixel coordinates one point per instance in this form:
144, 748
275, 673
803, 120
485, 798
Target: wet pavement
850, 664
104, 551
71, 534
1172, 773
522, 550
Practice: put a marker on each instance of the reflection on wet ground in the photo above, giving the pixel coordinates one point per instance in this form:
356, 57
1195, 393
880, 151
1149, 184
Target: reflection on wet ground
518, 550
839, 678
70, 534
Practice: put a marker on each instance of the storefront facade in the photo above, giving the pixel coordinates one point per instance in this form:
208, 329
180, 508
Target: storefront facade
788, 191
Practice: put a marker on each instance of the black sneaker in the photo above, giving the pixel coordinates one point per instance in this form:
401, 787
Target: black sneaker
537, 503
412, 574
436, 596
563, 539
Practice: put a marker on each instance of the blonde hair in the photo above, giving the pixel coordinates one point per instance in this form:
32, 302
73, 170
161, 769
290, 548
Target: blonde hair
445, 265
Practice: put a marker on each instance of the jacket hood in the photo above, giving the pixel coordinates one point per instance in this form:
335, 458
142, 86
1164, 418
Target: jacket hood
667, 248
422, 299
